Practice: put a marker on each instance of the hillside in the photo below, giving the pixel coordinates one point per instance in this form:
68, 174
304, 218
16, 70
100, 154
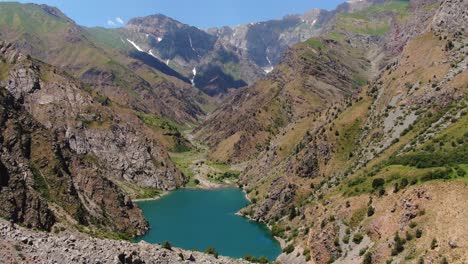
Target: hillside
340, 177
68, 152
45, 33
347, 130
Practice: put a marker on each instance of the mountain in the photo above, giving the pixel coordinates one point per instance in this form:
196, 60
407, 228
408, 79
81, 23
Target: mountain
210, 65
265, 42
68, 152
354, 147
148, 86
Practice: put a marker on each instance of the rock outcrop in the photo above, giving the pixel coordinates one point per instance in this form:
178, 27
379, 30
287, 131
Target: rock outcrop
62, 147
25, 246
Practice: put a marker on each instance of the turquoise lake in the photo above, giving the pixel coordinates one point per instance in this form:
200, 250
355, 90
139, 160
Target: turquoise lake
198, 219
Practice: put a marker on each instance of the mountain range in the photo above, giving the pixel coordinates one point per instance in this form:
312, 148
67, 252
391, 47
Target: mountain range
347, 129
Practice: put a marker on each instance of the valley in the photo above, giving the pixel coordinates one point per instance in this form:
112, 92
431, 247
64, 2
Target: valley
333, 136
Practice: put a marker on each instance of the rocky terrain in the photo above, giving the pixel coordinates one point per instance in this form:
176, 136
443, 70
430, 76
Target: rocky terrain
66, 150
314, 163
20, 245
353, 148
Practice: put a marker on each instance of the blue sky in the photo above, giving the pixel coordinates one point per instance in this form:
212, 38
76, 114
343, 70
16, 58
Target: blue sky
200, 13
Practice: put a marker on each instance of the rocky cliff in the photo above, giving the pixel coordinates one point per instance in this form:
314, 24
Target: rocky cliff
67, 149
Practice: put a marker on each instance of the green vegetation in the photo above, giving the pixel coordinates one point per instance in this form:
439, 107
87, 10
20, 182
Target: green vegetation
398, 247
24, 18
434, 244
363, 22
157, 122
315, 43
40, 182
212, 251
166, 245
357, 238
253, 259
288, 249
148, 193
357, 217
429, 159
367, 258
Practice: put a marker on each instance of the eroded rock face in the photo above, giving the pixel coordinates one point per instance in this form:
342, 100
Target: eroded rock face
59, 146
61, 105
451, 18
20, 201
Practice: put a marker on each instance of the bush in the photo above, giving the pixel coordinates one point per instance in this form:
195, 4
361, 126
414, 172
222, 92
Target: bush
398, 247
436, 174
357, 238
404, 182
418, 233
292, 214
166, 245
262, 259
378, 183
460, 172
434, 244
370, 211
212, 251
346, 239
367, 258
288, 249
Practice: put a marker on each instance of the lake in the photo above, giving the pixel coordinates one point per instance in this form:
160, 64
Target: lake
198, 219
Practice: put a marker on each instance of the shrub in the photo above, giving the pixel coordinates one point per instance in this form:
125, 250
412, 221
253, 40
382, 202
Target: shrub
460, 172
357, 238
292, 214
434, 243
409, 236
418, 233
370, 211
367, 258
378, 183
444, 261
398, 247
346, 239
404, 182
436, 174
288, 249
212, 251
262, 259
166, 245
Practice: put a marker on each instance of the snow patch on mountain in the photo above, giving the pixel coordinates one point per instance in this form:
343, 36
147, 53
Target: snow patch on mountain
268, 69
194, 71
135, 45
190, 40
150, 52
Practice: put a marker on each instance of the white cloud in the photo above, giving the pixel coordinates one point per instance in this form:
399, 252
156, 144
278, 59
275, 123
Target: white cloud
119, 20
110, 23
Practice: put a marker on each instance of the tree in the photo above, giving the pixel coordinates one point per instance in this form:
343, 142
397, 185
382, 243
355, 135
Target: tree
367, 258
370, 211
378, 183
166, 245
211, 251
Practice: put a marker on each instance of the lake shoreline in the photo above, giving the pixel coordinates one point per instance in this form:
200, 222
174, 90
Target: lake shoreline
214, 203
213, 186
